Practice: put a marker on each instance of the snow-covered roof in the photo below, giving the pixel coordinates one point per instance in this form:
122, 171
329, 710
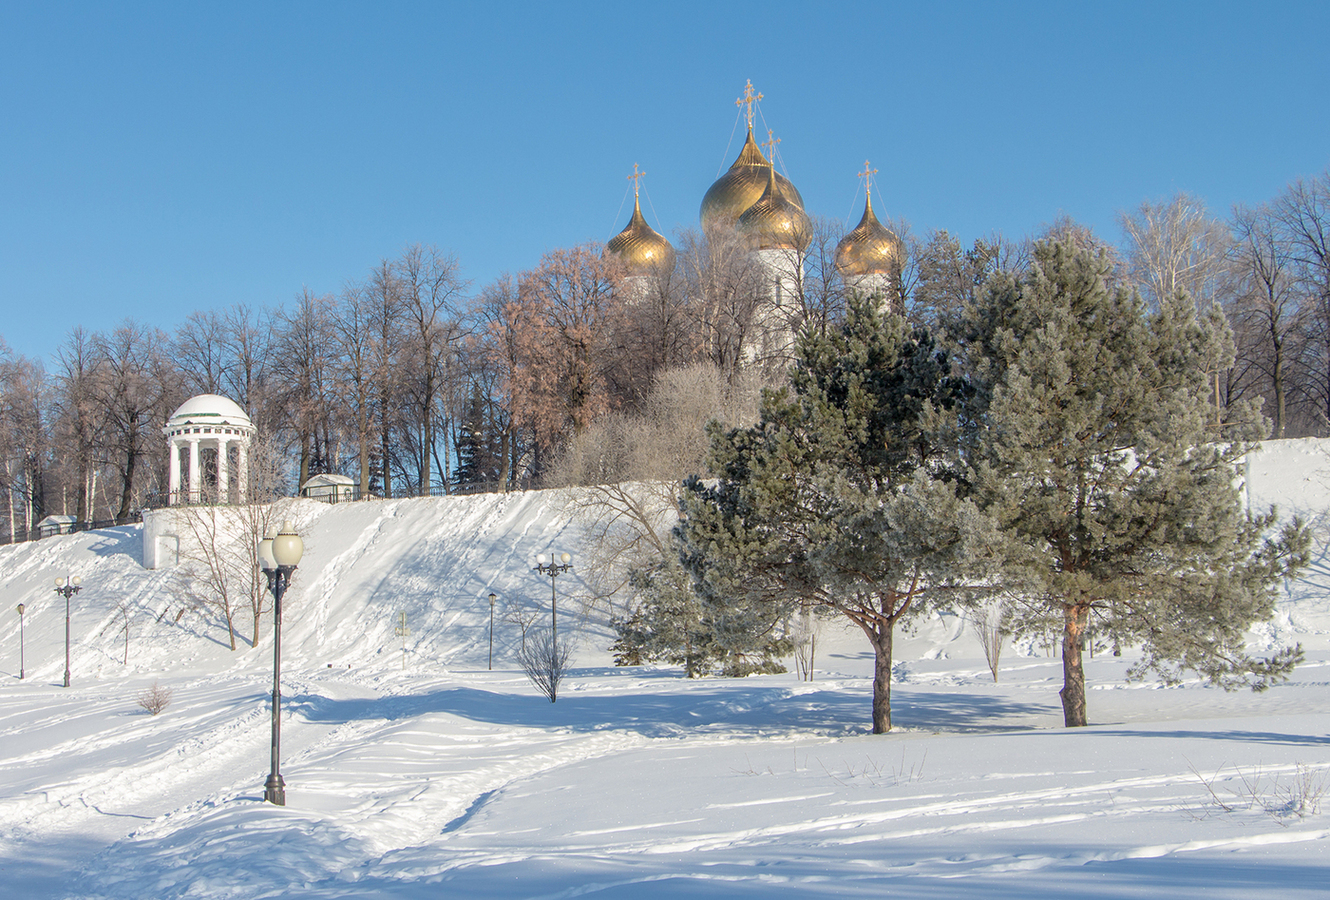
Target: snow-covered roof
209, 409
327, 480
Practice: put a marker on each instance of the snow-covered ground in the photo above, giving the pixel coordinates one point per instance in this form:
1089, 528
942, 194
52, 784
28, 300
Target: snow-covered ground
424, 774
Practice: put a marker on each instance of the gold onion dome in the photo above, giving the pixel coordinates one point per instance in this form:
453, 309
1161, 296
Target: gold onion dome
774, 222
870, 249
642, 249
743, 185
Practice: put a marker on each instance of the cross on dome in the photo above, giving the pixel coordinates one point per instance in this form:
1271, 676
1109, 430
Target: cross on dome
749, 98
867, 175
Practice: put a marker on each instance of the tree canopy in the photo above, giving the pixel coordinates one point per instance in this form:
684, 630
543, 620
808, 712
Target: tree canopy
1097, 457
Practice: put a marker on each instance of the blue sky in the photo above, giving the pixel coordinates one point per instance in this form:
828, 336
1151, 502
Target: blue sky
162, 158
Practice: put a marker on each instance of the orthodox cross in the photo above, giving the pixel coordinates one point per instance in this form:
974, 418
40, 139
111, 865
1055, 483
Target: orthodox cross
633, 178
749, 98
867, 175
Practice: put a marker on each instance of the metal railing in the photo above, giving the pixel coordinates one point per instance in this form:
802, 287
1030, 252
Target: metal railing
349, 493
19, 536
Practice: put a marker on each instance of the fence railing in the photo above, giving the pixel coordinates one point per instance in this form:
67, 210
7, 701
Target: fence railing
350, 493
19, 536
340, 493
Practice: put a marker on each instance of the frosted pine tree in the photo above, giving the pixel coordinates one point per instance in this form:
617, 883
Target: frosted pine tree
840, 497
1099, 457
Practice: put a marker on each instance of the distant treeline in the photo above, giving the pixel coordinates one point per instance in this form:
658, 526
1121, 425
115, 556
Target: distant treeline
412, 380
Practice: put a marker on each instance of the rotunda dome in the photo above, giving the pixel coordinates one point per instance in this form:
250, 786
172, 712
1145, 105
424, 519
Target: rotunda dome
743, 185
774, 222
642, 249
209, 409
870, 249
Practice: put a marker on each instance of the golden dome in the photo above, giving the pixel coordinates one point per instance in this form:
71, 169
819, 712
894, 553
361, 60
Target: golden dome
870, 249
774, 222
742, 186
642, 249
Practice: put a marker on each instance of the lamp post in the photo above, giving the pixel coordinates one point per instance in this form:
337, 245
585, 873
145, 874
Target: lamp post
492, 599
547, 566
279, 553
67, 587
21, 608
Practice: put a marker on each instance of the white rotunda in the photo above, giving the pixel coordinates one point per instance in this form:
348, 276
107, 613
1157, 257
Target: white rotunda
208, 423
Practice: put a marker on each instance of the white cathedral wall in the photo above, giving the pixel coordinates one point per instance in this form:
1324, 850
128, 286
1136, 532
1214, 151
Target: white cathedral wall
876, 284
774, 335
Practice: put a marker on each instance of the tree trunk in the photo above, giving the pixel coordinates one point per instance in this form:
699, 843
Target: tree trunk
127, 492
1277, 377
881, 638
364, 465
83, 512
506, 466
1073, 671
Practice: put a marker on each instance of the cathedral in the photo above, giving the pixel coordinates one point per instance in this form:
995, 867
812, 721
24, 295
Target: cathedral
766, 211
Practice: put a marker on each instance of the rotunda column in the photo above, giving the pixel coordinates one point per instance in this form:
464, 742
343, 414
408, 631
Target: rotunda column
223, 471
195, 495
173, 471
242, 470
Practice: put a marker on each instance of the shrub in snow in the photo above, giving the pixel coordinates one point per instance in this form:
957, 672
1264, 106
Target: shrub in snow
155, 699
545, 661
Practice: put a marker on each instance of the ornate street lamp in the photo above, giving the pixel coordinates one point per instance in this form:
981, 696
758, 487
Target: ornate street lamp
67, 587
279, 553
492, 599
547, 566
21, 607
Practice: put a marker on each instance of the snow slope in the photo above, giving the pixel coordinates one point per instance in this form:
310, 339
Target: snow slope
442, 777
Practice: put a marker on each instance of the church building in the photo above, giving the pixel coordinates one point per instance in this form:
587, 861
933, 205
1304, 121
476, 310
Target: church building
765, 209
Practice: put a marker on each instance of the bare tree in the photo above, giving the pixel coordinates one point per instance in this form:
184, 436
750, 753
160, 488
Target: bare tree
822, 297
545, 662
430, 287
1265, 308
495, 350
24, 439
125, 610
353, 372
214, 562
305, 339
1303, 216
726, 286
566, 333
806, 629
131, 396
82, 420
1174, 247
988, 621
521, 616
384, 305
659, 330
245, 374
200, 347
627, 469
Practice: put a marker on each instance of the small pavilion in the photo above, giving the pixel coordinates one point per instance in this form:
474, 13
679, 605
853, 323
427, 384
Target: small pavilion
207, 424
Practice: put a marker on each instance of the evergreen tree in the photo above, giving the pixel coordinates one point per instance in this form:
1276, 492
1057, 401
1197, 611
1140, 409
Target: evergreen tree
478, 456
674, 624
1121, 503
840, 497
